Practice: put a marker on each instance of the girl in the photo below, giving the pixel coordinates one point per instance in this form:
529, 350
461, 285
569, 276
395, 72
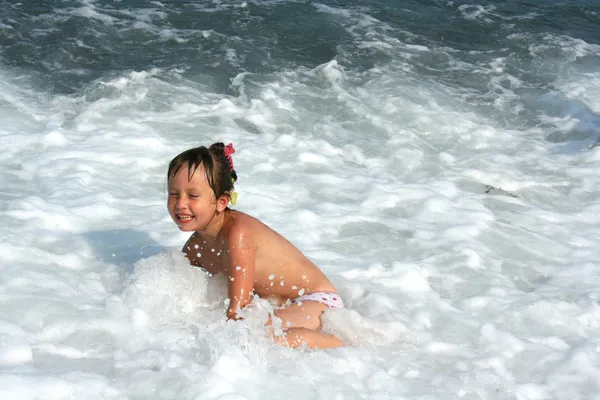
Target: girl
255, 259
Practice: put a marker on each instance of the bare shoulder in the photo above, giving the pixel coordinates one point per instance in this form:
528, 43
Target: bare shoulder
244, 225
248, 231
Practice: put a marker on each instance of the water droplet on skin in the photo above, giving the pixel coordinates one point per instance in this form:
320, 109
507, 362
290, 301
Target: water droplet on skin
271, 277
198, 255
271, 284
300, 292
219, 253
244, 270
294, 287
238, 268
232, 279
282, 283
195, 246
213, 250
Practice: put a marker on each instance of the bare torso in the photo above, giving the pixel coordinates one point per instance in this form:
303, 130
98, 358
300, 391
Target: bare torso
281, 271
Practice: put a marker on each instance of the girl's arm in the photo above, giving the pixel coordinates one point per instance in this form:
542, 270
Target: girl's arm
240, 277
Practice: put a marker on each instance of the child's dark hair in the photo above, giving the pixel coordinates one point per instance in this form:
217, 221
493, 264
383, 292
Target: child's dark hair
219, 172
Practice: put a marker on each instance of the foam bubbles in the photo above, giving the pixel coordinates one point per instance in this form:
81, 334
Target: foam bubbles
451, 195
14, 346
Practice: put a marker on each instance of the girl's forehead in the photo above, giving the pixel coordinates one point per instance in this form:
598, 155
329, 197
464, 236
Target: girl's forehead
195, 175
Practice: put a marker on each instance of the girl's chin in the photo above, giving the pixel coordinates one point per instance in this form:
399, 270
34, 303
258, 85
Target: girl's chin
185, 227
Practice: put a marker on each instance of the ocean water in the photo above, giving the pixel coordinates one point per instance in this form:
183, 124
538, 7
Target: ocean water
437, 159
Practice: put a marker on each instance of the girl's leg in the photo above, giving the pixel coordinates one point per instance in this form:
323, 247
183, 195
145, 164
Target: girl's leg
296, 337
305, 315
301, 324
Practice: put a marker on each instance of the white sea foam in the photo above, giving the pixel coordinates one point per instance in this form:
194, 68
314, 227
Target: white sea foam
454, 289
476, 12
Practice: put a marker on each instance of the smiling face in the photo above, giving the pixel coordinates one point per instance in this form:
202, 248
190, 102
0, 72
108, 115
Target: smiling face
192, 203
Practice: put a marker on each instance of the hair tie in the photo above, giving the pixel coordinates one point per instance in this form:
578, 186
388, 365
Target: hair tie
229, 150
233, 197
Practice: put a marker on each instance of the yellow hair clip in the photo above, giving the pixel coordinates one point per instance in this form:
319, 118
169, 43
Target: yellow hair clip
233, 195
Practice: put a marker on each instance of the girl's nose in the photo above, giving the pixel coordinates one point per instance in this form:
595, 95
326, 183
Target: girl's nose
180, 202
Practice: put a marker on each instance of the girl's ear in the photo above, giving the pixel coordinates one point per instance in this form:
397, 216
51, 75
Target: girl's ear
222, 202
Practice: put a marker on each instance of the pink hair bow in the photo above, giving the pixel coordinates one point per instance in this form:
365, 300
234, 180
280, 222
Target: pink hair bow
229, 150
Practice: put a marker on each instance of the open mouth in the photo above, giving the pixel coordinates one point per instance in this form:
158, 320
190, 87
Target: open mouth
183, 218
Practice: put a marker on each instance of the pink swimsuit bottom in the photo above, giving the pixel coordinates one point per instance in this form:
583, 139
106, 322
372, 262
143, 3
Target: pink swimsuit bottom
330, 299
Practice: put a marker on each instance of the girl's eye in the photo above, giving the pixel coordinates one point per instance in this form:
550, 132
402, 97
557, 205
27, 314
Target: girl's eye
193, 196
172, 194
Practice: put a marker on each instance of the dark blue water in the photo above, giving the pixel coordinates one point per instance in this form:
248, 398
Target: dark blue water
486, 52
73, 42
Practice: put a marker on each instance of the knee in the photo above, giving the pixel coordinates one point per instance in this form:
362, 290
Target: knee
293, 337
296, 337
291, 320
